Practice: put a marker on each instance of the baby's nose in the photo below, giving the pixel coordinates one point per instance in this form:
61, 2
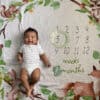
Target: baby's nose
30, 38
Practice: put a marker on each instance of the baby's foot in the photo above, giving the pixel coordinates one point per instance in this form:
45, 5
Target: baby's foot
29, 92
32, 90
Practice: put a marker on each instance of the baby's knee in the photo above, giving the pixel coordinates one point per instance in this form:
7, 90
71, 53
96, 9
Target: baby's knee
23, 77
23, 74
35, 76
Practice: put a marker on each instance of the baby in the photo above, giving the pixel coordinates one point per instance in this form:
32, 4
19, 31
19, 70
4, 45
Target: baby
29, 56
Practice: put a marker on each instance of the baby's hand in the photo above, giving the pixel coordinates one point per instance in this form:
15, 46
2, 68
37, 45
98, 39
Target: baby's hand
20, 59
49, 64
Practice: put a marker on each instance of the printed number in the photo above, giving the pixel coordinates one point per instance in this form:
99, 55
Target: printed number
66, 50
76, 51
86, 49
56, 50
87, 39
77, 29
77, 39
67, 28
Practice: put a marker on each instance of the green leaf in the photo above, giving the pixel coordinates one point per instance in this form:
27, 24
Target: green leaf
47, 2
98, 26
86, 2
99, 35
55, 4
50, 97
1, 22
1, 78
53, 97
87, 98
92, 19
30, 0
83, 10
7, 78
40, 2
17, 98
2, 62
8, 43
15, 3
29, 7
57, 70
0, 52
20, 17
70, 93
3, 69
2, 93
96, 55
1, 81
12, 17
45, 91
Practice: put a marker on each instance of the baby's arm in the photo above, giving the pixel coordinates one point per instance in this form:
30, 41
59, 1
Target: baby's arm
45, 60
20, 57
43, 57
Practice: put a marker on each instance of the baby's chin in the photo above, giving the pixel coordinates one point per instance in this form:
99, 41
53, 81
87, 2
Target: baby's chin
30, 43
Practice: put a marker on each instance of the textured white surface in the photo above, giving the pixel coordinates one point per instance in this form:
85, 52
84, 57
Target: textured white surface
46, 20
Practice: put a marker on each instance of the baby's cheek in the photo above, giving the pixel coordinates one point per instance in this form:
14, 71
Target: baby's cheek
25, 41
36, 41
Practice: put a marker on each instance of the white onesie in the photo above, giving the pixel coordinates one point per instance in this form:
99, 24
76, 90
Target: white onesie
31, 57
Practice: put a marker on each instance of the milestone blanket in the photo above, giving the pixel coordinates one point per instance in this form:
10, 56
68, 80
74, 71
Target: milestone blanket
69, 33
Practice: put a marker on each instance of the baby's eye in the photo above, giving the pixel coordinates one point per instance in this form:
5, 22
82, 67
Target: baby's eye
32, 36
25, 38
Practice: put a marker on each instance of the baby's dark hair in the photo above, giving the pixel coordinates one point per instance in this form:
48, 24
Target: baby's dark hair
31, 30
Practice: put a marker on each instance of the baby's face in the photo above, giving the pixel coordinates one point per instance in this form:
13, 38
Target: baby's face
30, 38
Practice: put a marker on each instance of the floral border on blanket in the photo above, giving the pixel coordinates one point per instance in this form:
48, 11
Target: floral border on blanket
13, 10
91, 8
10, 13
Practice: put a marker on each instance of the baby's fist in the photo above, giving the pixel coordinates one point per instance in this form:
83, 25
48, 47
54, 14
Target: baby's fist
49, 64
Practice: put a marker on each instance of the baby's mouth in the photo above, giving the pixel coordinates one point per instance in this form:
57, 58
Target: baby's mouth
30, 42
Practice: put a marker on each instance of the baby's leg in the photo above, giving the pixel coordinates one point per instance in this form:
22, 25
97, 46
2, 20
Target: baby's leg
35, 76
24, 78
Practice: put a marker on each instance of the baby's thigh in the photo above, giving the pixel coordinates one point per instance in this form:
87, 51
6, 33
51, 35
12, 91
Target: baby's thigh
36, 73
23, 73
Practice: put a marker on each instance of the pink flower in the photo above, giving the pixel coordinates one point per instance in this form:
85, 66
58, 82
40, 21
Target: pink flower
1, 46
